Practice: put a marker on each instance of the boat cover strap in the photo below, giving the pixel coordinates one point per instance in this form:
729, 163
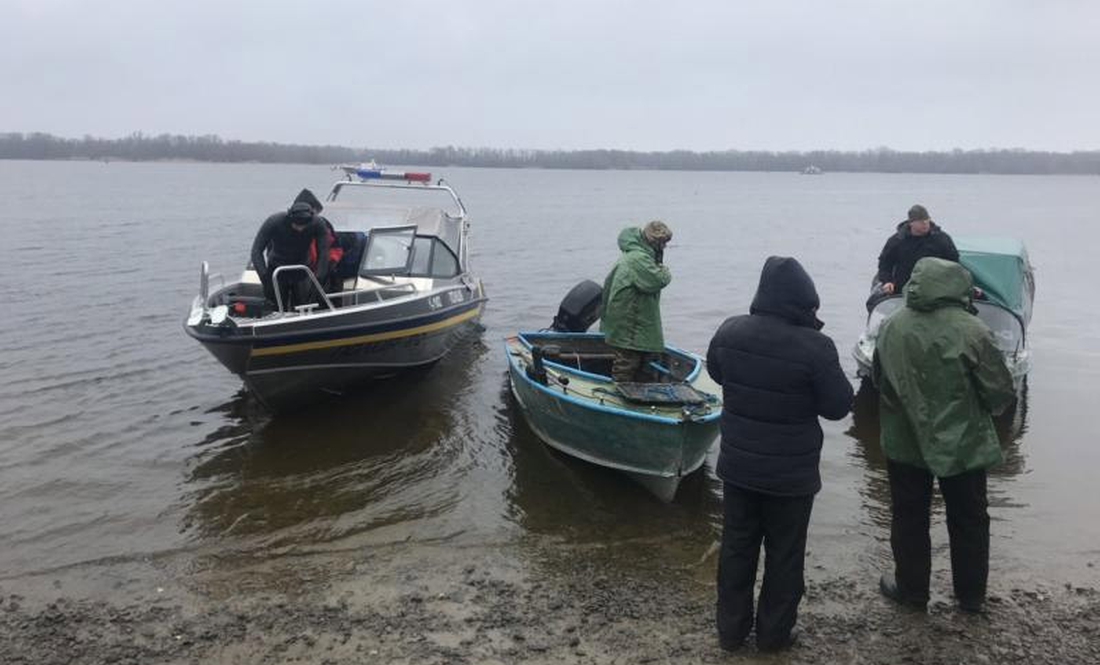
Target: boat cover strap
660, 393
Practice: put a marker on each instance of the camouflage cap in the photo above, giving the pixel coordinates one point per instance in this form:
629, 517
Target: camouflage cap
656, 232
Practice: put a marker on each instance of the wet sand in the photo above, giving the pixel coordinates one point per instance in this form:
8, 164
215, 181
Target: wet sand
539, 602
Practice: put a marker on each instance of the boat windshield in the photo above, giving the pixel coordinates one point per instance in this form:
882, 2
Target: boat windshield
1007, 332
388, 252
882, 311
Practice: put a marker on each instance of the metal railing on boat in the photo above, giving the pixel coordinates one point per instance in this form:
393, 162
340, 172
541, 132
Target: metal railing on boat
329, 297
313, 278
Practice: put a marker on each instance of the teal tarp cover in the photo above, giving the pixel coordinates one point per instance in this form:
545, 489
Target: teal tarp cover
1000, 268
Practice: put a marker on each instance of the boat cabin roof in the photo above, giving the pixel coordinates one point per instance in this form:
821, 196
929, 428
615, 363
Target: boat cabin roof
348, 216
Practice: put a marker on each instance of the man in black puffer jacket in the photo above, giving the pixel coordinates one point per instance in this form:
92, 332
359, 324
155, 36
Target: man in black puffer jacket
778, 374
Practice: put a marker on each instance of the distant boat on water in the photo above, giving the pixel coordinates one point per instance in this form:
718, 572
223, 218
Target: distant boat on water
812, 170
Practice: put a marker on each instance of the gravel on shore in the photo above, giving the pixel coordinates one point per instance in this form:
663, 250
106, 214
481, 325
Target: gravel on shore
511, 603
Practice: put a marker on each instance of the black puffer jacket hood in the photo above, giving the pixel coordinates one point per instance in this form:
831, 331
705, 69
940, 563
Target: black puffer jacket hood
787, 291
778, 374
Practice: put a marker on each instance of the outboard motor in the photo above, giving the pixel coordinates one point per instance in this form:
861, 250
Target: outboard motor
579, 309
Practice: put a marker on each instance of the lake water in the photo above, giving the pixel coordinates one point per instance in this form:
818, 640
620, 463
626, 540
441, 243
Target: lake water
121, 439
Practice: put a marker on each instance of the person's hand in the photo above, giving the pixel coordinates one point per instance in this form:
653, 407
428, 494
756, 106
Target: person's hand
888, 288
659, 255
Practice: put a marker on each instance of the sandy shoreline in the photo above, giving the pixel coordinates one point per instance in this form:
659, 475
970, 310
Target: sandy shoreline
541, 602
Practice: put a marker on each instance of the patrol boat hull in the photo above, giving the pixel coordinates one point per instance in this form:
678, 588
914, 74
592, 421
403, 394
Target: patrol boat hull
287, 362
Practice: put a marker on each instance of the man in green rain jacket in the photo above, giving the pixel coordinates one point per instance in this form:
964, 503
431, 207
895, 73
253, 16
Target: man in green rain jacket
940, 379
631, 313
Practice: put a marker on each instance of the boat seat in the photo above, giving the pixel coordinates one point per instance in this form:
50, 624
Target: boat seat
573, 355
595, 363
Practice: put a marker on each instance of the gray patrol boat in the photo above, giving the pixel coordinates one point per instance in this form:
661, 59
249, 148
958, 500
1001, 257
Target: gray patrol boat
407, 295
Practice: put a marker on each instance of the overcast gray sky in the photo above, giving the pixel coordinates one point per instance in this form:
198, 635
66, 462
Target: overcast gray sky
639, 75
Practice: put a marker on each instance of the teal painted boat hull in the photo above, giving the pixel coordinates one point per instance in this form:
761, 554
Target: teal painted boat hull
655, 445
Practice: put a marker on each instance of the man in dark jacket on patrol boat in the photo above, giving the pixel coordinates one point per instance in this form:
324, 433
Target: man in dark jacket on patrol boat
631, 310
940, 378
333, 284
778, 374
286, 238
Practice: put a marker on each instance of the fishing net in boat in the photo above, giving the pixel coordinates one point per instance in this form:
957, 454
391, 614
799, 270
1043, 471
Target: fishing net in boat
660, 393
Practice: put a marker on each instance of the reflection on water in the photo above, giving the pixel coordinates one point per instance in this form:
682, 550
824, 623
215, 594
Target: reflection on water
375, 457
867, 454
1010, 427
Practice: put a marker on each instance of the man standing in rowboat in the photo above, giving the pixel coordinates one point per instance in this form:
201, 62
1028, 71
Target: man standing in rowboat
631, 311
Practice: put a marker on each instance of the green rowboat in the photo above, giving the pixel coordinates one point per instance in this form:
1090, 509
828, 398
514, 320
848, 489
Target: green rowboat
655, 433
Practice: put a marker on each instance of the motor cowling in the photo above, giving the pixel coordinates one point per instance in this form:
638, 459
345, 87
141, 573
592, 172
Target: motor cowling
579, 309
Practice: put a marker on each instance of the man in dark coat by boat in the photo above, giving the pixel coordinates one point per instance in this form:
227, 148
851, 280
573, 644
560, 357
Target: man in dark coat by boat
285, 239
333, 284
778, 374
940, 377
916, 237
631, 308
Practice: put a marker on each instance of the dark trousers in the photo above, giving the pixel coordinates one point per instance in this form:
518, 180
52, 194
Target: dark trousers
780, 522
967, 528
630, 366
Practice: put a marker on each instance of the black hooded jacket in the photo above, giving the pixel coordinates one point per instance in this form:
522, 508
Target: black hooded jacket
285, 246
903, 249
778, 374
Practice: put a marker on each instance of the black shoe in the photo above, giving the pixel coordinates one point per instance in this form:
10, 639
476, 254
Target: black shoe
889, 588
972, 605
730, 642
787, 642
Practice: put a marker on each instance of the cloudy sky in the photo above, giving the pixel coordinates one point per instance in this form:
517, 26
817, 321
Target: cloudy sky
569, 74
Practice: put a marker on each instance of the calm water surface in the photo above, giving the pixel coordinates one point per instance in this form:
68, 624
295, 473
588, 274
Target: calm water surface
121, 439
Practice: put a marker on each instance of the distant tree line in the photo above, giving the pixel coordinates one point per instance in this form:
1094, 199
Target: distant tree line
209, 148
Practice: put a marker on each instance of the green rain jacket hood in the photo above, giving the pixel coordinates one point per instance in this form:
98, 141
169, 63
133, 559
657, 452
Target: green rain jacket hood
631, 316
940, 376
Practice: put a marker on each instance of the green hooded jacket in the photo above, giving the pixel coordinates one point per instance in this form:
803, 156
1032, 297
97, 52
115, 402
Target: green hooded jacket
940, 376
631, 314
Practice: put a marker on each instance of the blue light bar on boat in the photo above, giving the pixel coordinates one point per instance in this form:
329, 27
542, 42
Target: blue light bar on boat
378, 174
